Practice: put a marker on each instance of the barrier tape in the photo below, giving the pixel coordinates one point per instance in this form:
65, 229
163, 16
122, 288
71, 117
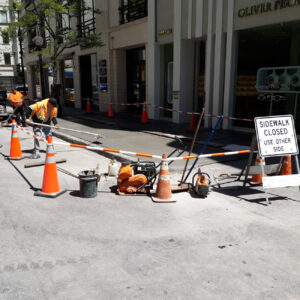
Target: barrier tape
178, 111
136, 153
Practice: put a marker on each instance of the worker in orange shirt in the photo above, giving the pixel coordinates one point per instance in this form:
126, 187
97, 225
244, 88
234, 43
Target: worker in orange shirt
16, 99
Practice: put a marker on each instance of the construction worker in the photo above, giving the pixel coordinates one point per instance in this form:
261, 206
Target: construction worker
16, 99
42, 112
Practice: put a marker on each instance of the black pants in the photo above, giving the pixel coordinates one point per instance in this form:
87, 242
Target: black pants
19, 112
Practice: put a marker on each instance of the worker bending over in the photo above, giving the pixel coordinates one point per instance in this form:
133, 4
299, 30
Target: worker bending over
16, 99
42, 112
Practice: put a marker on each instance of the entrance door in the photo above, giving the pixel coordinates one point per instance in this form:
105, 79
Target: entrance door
86, 79
136, 80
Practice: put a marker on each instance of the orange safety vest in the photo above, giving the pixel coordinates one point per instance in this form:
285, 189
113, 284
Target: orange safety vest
40, 110
16, 99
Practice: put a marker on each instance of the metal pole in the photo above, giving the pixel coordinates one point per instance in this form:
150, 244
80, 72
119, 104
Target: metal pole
295, 107
42, 77
193, 142
203, 148
263, 172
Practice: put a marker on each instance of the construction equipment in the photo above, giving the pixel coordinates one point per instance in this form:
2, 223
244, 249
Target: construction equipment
136, 177
202, 184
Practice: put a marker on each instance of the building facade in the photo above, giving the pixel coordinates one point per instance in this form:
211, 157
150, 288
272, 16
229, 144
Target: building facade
186, 55
9, 51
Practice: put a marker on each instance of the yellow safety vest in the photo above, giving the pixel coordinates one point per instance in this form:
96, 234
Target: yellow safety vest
40, 110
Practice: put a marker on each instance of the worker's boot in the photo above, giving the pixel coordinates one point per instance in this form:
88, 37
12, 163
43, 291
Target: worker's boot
35, 155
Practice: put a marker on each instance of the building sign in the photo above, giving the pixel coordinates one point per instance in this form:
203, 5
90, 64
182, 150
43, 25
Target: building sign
165, 31
266, 7
276, 136
103, 75
176, 95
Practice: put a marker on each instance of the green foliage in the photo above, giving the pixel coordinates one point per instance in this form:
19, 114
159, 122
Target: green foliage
49, 18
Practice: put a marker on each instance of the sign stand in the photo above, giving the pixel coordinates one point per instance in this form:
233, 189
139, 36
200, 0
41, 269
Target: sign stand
276, 136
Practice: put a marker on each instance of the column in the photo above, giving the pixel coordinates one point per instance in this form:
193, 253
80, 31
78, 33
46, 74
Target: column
183, 68
152, 64
209, 64
230, 66
218, 81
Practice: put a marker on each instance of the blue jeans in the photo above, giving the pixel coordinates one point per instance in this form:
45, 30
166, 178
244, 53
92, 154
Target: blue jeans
39, 131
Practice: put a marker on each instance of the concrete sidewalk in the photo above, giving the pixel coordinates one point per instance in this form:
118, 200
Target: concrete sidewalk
227, 246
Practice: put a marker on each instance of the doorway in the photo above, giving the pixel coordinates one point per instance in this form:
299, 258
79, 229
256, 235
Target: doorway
136, 77
88, 82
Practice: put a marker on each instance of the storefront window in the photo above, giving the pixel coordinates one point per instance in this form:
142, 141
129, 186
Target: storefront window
271, 46
69, 82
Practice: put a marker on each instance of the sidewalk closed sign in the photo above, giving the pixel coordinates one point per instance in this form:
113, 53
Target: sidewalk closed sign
276, 136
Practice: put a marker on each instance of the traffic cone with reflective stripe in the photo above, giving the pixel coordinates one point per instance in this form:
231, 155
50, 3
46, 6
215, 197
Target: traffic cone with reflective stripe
88, 106
257, 178
192, 124
163, 190
110, 111
50, 186
287, 166
15, 147
144, 114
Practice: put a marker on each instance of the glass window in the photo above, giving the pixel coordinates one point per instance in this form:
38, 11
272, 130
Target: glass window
3, 17
7, 60
5, 38
88, 20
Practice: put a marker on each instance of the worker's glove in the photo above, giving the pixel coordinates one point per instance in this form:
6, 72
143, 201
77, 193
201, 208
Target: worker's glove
56, 126
28, 122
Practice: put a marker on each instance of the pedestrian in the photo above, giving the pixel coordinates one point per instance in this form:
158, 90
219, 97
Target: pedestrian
42, 112
16, 99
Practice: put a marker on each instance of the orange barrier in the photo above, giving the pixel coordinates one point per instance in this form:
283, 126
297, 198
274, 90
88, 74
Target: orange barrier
192, 124
15, 146
110, 111
257, 178
144, 114
287, 166
50, 186
163, 190
88, 106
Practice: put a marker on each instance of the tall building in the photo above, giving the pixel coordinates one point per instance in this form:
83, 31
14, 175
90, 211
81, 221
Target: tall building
9, 50
184, 55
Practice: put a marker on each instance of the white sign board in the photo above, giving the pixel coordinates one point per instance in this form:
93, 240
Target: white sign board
276, 136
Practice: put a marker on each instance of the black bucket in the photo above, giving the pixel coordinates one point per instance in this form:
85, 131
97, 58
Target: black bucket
88, 184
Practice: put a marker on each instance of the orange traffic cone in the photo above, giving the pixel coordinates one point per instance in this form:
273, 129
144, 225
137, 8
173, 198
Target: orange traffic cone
192, 124
88, 106
50, 186
15, 147
163, 190
287, 166
144, 114
110, 111
257, 178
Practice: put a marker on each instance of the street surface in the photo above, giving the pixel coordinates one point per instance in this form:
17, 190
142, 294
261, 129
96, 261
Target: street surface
229, 245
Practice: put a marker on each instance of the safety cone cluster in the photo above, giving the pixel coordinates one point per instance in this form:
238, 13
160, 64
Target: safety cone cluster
88, 106
257, 178
163, 190
110, 111
287, 166
144, 114
192, 124
15, 146
50, 187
